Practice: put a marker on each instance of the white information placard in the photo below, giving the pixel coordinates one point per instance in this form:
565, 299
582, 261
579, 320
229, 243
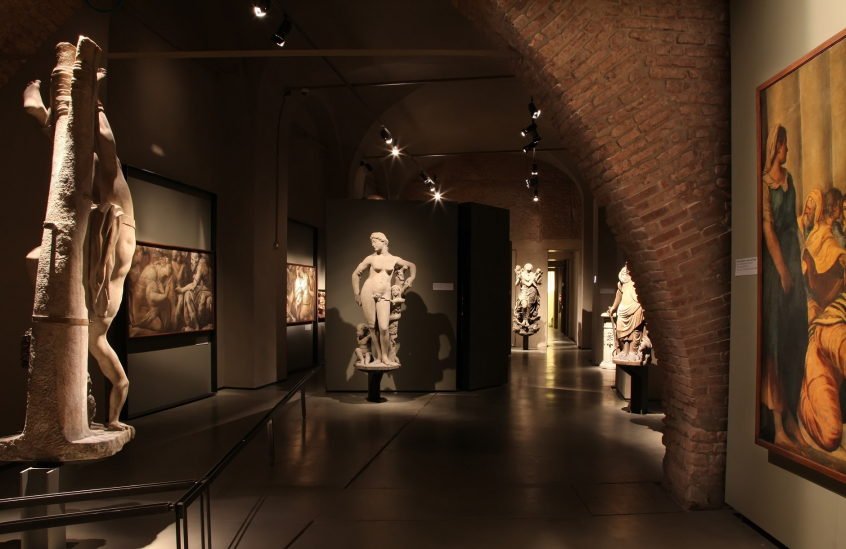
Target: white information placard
745, 266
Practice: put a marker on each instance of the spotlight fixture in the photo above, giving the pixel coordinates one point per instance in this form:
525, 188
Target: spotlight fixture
260, 8
438, 196
533, 110
427, 180
536, 198
386, 135
281, 35
395, 152
530, 129
534, 169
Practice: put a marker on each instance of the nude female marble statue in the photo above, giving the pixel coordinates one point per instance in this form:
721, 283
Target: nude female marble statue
374, 296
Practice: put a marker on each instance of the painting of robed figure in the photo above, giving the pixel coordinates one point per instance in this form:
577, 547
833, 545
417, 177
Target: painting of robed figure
801, 395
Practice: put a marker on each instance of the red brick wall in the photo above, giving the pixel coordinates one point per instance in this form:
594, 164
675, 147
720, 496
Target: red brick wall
499, 180
640, 92
24, 25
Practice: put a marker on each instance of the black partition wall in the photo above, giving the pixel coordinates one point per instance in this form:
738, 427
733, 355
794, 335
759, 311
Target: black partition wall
168, 365
430, 328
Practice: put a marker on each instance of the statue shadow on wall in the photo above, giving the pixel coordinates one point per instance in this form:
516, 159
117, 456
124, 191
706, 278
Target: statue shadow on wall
427, 347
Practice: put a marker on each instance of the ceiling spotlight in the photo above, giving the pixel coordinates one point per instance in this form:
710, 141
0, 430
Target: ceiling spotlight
260, 8
536, 198
281, 35
528, 183
427, 179
533, 110
534, 168
395, 152
530, 129
438, 196
386, 135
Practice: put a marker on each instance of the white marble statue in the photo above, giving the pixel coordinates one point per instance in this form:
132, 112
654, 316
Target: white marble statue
380, 298
526, 318
86, 188
632, 345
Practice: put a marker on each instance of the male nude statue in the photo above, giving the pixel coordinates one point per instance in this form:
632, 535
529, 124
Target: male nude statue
111, 244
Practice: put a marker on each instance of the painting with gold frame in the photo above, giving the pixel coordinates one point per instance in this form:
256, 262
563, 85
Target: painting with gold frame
800, 393
301, 294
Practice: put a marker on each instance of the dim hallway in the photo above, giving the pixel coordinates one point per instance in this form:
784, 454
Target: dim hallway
549, 460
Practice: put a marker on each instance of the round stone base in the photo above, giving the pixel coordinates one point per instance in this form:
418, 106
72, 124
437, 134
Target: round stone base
376, 367
98, 445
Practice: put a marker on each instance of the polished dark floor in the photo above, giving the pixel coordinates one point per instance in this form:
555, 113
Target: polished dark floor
550, 460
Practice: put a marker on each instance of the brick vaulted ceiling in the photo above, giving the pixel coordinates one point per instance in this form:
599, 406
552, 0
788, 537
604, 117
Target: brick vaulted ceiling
24, 26
640, 91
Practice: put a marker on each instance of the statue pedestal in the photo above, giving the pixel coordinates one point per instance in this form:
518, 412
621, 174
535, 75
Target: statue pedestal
36, 481
607, 343
375, 371
98, 444
639, 403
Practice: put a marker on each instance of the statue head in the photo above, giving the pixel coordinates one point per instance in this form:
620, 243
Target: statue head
361, 330
625, 276
528, 267
379, 240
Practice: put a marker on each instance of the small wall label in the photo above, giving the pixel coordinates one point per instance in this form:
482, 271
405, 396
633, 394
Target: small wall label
443, 286
745, 266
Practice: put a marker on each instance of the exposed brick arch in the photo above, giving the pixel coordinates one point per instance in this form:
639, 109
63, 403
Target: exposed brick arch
639, 91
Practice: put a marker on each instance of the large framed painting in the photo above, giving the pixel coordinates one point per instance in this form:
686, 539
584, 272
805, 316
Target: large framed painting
802, 257
301, 294
170, 290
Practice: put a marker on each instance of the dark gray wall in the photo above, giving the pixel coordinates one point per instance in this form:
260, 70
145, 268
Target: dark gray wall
166, 377
420, 232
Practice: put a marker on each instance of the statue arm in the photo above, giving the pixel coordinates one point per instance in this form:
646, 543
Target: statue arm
617, 299
356, 276
412, 272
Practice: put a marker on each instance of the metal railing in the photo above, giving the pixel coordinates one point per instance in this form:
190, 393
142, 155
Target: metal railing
193, 489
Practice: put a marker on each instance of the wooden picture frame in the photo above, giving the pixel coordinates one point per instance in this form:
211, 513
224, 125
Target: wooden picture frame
170, 290
800, 394
300, 294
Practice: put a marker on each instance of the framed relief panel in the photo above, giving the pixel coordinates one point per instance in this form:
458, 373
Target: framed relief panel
170, 290
301, 294
802, 252
321, 305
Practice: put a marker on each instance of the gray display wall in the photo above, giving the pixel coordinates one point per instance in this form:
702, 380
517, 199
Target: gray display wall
170, 369
420, 232
301, 338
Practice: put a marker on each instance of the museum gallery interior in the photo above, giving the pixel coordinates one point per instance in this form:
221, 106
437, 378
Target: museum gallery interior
448, 273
